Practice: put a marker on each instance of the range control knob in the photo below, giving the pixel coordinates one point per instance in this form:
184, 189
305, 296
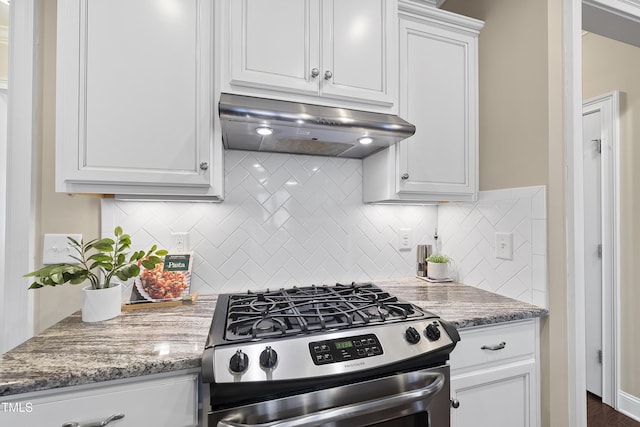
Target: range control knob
432, 332
412, 335
268, 358
239, 362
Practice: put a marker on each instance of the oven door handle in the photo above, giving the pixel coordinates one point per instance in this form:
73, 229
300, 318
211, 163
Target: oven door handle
354, 410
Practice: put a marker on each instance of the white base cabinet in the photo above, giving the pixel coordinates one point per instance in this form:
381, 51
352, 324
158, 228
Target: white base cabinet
134, 94
495, 376
438, 94
170, 401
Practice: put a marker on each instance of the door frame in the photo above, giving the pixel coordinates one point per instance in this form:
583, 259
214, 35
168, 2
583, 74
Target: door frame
608, 105
572, 129
572, 65
16, 304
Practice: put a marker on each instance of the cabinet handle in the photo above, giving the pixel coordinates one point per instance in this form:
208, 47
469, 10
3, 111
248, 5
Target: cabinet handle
327, 75
315, 73
404, 176
96, 423
204, 166
494, 347
455, 403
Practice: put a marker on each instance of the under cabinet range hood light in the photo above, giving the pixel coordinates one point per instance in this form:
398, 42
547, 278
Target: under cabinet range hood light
259, 124
264, 131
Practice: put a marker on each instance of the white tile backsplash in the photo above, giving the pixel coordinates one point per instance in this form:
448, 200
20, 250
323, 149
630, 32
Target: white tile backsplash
467, 234
297, 220
286, 220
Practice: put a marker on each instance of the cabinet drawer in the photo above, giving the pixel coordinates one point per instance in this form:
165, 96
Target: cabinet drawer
500, 343
171, 402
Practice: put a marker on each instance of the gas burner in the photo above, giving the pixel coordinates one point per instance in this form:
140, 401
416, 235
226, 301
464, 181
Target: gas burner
262, 304
302, 310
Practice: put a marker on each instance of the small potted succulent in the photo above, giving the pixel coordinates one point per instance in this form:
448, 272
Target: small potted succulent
438, 267
104, 263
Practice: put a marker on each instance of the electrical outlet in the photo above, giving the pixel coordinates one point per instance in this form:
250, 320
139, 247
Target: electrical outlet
56, 249
504, 245
404, 236
180, 241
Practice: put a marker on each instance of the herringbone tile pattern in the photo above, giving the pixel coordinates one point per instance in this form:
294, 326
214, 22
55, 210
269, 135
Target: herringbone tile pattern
286, 220
467, 232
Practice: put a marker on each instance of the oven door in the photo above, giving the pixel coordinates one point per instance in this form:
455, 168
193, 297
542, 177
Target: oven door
418, 398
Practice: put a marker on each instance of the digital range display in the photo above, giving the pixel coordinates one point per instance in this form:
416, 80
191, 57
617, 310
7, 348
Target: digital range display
344, 349
343, 344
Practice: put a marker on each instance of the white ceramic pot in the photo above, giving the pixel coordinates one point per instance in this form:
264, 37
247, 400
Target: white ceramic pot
437, 270
101, 304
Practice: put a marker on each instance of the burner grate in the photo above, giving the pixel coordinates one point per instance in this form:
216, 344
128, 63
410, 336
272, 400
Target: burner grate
287, 312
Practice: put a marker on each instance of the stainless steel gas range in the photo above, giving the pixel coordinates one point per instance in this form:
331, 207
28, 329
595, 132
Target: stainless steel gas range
343, 355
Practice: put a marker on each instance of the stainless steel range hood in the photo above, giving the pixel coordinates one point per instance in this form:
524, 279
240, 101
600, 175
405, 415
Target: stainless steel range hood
306, 129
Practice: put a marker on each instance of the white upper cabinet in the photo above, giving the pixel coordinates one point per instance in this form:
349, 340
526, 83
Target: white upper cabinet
135, 98
438, 94
332, 52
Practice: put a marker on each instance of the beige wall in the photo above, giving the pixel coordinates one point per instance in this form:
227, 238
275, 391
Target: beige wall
56, 212
521, 143
513, 102
610, 65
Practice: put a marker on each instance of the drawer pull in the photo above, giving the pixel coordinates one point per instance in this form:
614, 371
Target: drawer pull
494, 347
95, 424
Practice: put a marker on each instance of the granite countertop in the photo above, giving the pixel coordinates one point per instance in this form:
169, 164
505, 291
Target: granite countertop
464, 306
157, 340
138, 342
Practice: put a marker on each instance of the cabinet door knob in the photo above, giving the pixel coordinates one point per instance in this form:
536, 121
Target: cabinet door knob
315, 73
455, 403
95, 424
204, 166
404, 176
327, 75
494, 347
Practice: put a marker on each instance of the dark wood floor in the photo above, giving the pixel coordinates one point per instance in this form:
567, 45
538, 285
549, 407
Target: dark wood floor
601, 415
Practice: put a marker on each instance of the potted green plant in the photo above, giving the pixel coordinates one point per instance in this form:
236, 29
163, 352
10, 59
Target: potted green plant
104, 263
438, 267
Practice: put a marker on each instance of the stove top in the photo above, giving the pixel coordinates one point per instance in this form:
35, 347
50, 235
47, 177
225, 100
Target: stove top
310, 334
302, 310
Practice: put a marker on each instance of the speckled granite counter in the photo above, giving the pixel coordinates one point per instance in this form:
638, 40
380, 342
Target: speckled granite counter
464, 306
139, 342
151, 341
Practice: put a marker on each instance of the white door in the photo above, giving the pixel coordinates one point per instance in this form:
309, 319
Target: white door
592, 137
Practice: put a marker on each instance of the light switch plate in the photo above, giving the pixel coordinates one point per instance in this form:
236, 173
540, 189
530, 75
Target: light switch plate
504, 245
404, 239
57, 250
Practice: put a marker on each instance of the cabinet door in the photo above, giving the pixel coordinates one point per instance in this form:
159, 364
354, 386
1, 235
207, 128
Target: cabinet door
171, 402
134, 94
438, 95
274, 44
358, 49
499, 397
